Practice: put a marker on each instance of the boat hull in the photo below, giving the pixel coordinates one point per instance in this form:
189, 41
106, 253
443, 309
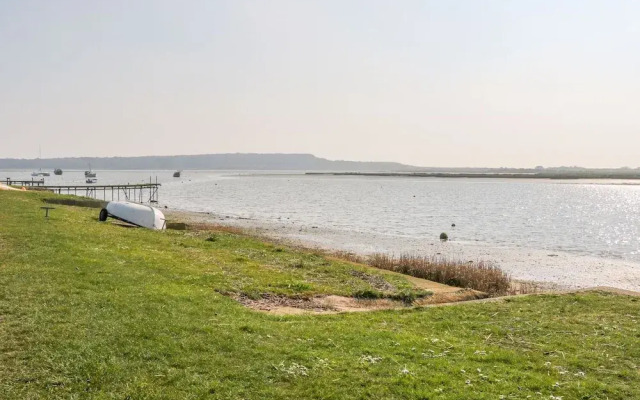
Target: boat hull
137, 214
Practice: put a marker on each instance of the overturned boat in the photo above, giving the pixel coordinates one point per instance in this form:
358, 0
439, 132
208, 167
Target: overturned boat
133, 213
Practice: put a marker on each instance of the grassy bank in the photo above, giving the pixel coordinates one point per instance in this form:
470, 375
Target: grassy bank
94, 310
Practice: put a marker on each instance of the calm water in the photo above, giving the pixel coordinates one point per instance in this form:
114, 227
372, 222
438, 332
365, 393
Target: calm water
589, 219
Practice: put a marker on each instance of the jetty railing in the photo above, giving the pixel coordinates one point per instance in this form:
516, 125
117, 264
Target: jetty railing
139, 192
32, 182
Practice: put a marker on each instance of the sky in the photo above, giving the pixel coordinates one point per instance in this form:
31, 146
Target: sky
479, 83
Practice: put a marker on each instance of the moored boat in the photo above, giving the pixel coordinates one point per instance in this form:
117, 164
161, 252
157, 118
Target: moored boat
91, 180
57, 171
89, 173
133, 213
40, 173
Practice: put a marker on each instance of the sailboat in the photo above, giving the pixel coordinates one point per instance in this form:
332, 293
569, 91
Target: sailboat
89, 173
39, 172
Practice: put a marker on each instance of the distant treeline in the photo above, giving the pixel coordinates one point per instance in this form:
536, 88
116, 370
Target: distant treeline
296, 162
306, 162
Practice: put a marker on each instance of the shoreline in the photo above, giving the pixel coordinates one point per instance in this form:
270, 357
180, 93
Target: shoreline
552, 270
496, 175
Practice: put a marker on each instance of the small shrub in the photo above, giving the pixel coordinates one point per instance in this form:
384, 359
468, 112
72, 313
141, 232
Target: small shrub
408, 296
297, 264
211, 238
405, 296
444, 237
368, 294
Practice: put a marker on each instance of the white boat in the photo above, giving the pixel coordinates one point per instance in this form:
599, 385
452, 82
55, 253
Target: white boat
133, 213
91, 180
40, 173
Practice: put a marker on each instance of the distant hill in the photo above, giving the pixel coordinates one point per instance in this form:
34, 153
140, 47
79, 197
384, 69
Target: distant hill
238, 161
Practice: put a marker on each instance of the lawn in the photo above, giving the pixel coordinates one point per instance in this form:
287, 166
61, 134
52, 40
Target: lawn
95, 310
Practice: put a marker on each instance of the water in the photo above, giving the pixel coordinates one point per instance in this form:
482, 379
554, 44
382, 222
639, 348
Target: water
600, 220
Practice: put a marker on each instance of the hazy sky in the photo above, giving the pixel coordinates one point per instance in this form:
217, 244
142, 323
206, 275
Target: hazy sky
432, 83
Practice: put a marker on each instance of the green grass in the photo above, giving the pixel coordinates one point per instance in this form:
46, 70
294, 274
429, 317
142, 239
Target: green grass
94, 310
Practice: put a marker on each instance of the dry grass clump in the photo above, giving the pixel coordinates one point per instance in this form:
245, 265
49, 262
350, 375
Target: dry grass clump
481, 276
524, 287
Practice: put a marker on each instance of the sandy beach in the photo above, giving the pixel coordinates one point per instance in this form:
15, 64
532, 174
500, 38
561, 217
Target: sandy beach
552, 269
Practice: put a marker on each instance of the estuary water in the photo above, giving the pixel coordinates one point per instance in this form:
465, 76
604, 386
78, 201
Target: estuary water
597, 219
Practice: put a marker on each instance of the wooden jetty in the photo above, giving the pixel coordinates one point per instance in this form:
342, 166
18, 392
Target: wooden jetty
139, 192
32, 182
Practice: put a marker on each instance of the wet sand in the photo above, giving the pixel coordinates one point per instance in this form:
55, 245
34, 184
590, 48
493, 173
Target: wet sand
552, 269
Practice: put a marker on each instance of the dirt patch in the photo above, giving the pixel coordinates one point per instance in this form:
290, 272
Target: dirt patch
454, 296
431, 286
282, 305
5, 187
287, 305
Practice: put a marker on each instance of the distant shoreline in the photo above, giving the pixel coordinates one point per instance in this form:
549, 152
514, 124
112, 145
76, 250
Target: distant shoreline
540, 175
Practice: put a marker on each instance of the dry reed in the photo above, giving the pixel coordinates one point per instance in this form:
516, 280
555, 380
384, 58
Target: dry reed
481, 275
